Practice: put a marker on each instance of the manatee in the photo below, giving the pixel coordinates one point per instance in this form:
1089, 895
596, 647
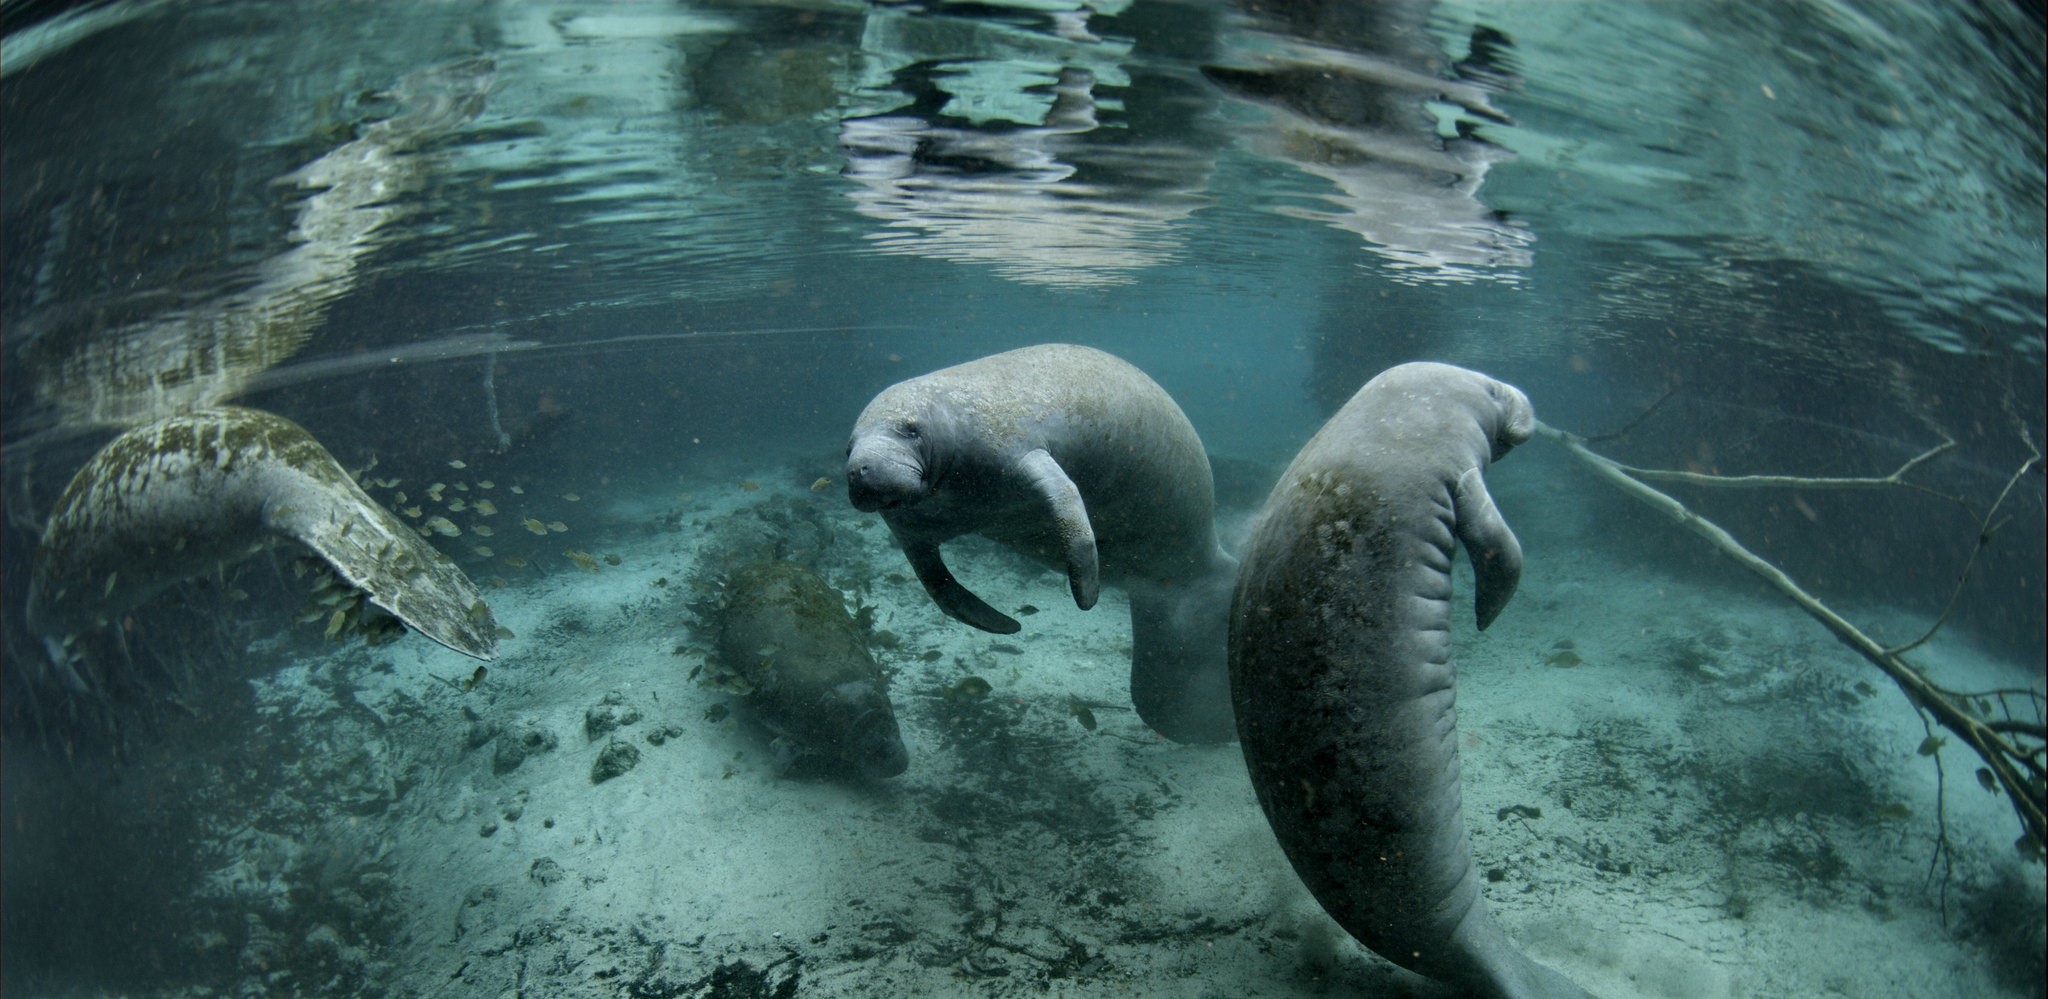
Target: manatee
1074, 458
179, 498
1341, 674
803, 662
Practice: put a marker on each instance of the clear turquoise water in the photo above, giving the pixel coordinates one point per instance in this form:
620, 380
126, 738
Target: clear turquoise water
620, 241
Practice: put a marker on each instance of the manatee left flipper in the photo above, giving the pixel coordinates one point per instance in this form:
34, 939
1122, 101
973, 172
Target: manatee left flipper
1070, 520
956, 600
1496, 555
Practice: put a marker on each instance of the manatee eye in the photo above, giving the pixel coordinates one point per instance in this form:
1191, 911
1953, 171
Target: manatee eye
911, 430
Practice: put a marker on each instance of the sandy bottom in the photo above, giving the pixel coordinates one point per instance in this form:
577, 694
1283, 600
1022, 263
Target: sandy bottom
1673, 791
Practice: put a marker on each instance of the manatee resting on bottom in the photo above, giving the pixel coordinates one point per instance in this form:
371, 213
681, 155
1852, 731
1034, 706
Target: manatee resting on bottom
783, 636
180, 498
1340, 667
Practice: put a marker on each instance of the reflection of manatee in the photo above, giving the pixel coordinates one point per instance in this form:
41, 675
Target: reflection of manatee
784, 633
1075, 458
177, 499
1340, 666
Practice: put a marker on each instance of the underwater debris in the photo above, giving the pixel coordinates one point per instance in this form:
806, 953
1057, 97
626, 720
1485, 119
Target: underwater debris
1519, 811
971, 688
821, 484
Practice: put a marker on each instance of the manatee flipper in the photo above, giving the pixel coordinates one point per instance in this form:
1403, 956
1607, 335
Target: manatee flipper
389, 561
1496, 555
956, 600
1070, 518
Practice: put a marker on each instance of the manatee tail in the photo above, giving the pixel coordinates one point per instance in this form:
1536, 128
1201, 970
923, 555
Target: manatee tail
386, 559
1180, 663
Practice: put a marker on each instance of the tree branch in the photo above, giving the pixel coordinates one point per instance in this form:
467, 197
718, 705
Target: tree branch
2002, 757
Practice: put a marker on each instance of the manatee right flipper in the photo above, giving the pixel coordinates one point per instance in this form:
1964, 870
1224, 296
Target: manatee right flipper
956, 600
1495, 554
178, 498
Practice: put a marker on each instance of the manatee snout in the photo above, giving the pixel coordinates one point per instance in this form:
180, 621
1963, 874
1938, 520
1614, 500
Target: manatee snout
882, 474
872, 742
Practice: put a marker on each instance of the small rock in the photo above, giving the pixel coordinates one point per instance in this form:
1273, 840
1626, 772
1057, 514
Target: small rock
616, 758
545, 871
487, 830
516, 743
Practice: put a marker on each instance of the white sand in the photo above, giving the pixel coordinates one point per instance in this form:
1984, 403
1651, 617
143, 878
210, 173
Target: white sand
1705, 777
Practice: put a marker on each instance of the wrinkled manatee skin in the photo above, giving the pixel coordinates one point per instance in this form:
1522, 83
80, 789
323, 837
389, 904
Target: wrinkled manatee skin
1074, 458
1341, 669
786, 632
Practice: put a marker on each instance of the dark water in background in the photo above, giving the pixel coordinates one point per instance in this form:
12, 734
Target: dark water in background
679, 237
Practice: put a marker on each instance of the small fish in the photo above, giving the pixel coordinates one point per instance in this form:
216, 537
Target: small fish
479, 610
931, 656
1027, 610
514, 561
516, 491
1895, 812
1931, 745
558, 527
311, 614
821, 485
1563, 657
504, 632
459, 464
457, 506
1079, 709
461, 487
582, 559
534, 526
412, 511
483, 552
436, 489
572, 497
109, 590
483, 529
474, 679
971, 688
486, 484
334, 623
398, 498
237, 593
443, 526
499, 581
612, 560
487, 508
1985, 777
749, 485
